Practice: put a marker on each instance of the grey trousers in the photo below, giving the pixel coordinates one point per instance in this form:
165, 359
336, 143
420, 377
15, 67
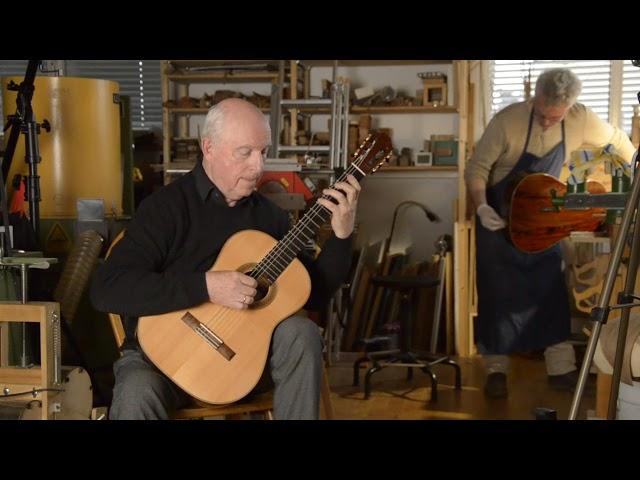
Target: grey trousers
294, 370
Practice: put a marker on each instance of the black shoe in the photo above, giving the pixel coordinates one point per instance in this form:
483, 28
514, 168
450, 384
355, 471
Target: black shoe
568, 382
496, 385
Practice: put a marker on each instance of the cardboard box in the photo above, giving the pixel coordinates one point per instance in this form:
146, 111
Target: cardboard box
364, 121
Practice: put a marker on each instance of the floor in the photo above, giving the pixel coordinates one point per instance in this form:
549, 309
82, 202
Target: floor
393, 397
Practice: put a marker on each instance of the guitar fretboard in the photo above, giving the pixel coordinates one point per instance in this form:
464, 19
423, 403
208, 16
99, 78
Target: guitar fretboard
279, 258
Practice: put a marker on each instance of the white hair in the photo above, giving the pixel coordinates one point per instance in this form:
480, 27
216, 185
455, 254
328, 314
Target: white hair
214, 121
558, 86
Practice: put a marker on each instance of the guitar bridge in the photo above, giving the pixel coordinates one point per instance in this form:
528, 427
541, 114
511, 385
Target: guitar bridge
208, 335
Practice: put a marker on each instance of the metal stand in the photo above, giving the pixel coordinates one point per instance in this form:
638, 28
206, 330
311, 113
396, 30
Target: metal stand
24, 121
338, 106
600, 314
24, 287
443, 245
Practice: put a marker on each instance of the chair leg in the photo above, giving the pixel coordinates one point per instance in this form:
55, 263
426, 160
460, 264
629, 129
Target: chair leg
367, 379
356, 369
326, 407
458, 373
409, 373
434, 384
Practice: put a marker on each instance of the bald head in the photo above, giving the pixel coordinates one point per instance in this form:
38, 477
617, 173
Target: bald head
231, 111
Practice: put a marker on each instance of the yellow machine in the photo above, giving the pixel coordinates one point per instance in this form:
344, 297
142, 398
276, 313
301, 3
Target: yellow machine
81, 154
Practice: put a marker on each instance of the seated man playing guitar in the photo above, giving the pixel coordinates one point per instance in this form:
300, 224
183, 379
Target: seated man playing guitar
162, 265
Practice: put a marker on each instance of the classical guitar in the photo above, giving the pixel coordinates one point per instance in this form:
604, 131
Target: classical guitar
217, 354
534, 225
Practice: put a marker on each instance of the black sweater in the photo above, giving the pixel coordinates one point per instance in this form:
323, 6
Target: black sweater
159, 265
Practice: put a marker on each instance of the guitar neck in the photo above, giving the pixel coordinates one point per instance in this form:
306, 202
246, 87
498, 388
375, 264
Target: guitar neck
279, 258
371, 155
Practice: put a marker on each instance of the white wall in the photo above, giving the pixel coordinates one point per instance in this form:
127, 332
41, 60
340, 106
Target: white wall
382, 192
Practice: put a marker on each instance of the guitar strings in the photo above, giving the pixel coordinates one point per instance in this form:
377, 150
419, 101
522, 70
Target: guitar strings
271, 258
268, 262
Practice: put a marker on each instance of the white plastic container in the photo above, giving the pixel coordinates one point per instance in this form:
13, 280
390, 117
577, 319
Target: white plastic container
629, 402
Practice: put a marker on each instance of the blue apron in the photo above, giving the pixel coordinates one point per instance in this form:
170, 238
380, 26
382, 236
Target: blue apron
523, 304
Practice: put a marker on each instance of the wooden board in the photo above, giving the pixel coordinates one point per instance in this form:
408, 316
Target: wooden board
355, 316
424, 304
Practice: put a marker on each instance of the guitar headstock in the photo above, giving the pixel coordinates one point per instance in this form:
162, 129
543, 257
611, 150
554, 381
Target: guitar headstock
373, 153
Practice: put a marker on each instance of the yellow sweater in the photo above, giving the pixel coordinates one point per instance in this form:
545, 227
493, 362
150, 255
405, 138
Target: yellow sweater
502, 142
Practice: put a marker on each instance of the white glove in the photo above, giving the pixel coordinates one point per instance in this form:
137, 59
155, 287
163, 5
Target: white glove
489, 218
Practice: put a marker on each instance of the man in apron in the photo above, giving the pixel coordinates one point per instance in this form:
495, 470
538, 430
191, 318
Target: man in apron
523, 302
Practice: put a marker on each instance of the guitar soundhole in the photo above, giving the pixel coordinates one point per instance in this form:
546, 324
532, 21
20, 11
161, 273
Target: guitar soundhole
262, 290
265, 290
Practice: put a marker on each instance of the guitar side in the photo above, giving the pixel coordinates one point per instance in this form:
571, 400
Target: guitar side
227, 374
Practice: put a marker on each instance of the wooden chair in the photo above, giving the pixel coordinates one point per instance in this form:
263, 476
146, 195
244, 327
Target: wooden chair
260, 404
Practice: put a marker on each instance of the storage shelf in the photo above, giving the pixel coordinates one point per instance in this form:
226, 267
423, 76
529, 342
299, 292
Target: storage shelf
406, 109
223, 77
354, 110
181, 166
219, 63
419, 109
307, 103
198, 111
433, 168
305, 148
182, 73
373, 63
